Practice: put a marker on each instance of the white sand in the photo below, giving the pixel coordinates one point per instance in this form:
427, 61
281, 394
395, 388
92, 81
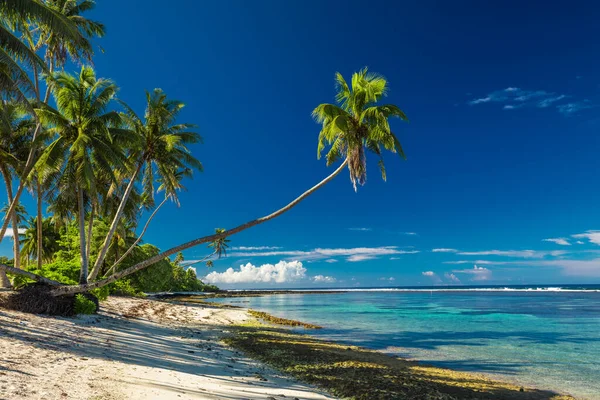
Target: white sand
134, 349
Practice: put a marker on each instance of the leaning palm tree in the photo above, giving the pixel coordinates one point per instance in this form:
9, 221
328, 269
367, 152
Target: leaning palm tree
357, 123
16, 57
162, 150
15, 138
87, 142
362, 129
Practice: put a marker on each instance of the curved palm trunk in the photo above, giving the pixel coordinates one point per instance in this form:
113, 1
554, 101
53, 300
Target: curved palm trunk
113, 225
139, 238
14, 220
61, 290
23, 178
39, 221
82, 244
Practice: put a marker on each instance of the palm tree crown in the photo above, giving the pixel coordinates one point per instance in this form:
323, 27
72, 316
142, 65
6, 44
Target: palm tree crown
357, 122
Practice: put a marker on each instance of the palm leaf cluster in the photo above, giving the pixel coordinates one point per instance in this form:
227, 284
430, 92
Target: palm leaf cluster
357, 123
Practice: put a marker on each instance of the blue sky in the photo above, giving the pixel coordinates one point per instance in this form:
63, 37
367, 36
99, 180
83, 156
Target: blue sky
502, 145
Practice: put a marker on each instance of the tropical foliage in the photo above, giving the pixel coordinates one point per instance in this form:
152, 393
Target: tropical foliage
95, 165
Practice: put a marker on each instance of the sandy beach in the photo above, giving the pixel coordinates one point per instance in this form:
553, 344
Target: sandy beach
134, 349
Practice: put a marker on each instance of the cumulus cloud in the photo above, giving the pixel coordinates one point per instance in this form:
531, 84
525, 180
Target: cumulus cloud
323, 279
583, 268
478, 273
432, 275
352, 254
592, 236
444, 250
451, 277
513, 98
251, 248
9, 232
282, 272
561, 241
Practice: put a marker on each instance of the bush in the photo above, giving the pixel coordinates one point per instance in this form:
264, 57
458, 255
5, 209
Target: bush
83, 305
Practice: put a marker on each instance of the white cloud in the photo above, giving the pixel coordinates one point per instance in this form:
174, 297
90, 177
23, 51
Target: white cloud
479, 273
410, 233
351, 254
361, 229
432, 275
451, 277
250, 248
390, 279
572, 108
331, 260
484, 262
561, 241
579, 242
513, 98
282, 272
323, 279
585, 268
592, 236
444, 250
9, 232
514, 253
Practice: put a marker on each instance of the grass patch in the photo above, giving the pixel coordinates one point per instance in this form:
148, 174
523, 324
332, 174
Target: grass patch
361, 374
281, 321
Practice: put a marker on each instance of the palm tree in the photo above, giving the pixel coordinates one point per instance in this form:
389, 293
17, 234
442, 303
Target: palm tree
17, 15
88, 144
162, 149
15, 137
50, 244
361, 124
209, 264
220, 245
358, 123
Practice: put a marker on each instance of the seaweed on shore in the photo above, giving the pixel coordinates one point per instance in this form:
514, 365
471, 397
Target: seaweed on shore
361, 374
281, 321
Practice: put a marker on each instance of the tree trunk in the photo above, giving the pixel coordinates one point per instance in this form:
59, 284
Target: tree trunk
113, 225
89, 233
82, 245
22, 180
14, 220
139, 238
39, 222
62, 290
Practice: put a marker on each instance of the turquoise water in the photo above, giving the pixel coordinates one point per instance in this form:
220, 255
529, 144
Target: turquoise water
546, 339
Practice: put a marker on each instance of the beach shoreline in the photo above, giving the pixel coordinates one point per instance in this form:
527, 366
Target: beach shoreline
144, 348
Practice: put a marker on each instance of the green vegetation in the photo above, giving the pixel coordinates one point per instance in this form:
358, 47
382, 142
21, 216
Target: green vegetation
281, 321
98, 165
83, 305
360, 374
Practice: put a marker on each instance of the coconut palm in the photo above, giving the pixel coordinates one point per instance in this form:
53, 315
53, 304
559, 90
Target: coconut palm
357, 123
219, 245
88, 142
50, 244
15, 138
16, 57
162, 150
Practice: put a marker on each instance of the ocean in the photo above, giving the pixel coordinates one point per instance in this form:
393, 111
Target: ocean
546, 337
